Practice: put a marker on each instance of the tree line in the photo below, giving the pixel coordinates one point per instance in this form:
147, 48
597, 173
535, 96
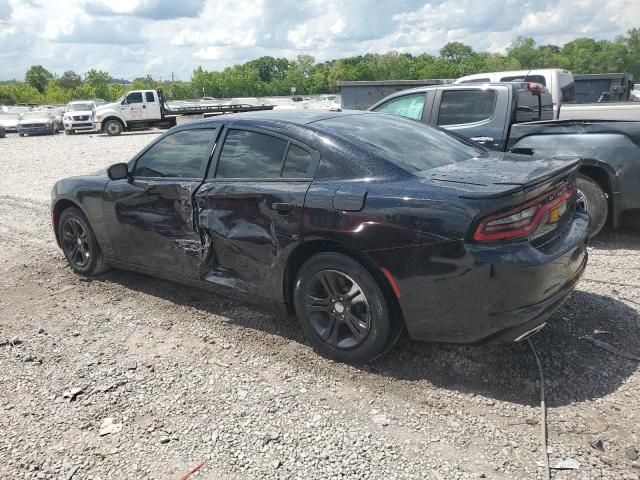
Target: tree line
266, 76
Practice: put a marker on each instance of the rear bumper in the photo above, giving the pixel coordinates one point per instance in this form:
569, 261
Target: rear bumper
469, 293
540, 312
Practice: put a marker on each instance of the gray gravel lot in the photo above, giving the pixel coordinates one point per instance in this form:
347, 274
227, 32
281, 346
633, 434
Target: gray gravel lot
126, 376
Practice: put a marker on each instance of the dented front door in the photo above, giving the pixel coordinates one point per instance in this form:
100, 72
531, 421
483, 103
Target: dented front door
154, 225
150, 216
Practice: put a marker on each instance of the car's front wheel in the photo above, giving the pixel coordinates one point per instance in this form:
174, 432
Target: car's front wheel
79, 243
342, 309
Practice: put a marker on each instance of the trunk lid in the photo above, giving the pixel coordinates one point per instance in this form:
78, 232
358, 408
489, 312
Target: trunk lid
499, 174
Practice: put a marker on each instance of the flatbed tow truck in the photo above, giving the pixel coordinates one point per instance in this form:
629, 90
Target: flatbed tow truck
144, 109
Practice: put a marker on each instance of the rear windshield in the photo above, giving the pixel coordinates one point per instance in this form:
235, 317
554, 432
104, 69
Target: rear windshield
408, 144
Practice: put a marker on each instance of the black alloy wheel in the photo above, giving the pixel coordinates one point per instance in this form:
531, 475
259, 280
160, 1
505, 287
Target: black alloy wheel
343, 309
337, 309
75, 243
79, 243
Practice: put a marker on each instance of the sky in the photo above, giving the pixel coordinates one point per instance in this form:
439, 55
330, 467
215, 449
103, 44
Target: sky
132, 38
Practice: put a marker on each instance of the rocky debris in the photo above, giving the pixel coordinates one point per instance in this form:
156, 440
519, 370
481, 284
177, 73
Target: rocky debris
564, 464
72, 471
108, 386
108, 427
631, 453
380, 419
73, 393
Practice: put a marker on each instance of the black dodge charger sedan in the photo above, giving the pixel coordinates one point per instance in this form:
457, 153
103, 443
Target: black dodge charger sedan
361, 223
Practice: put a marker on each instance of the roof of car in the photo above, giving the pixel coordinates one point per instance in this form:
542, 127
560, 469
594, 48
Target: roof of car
294, 116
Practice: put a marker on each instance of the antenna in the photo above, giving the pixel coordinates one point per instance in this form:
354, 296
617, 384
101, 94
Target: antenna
531, 68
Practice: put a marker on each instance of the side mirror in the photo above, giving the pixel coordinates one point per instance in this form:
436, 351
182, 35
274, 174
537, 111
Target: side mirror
124, 101
118, 171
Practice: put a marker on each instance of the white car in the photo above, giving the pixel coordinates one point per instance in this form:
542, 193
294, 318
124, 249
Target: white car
78, 116
10, 121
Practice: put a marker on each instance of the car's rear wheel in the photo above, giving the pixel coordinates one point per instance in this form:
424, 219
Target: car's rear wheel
592, 199
113, 127
79, 243
342, 309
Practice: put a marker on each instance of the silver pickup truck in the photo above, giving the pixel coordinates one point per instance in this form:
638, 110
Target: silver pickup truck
518, 116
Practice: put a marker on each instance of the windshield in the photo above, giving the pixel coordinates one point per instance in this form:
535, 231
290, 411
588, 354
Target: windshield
408, 144
32, 115
79, 107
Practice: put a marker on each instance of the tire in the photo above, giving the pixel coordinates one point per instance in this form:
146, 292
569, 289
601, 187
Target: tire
21, 134
68, 132
593, 200
79, 243
113, 127
337, 326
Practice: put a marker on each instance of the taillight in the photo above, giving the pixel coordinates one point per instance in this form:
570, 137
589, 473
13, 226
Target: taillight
521, 221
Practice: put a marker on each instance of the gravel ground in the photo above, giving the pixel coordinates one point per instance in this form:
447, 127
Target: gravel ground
128, 376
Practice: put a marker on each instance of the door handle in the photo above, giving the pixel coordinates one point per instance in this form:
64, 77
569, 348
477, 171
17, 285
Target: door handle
482, 139
281, 207
144, 106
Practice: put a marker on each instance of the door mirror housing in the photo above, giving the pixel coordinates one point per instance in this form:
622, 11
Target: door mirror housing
118, 171
124, 101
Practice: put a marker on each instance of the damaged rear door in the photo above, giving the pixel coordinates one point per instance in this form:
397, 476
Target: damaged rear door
151, 215
250, 207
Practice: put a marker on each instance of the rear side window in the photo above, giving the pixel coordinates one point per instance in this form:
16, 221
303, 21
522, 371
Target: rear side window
250, 155
466, 106
533, 107
149, 96
409, 106
135, 97
546, 101
412, 146
567, 88
528, 108
182, 154
298, 163
529, 78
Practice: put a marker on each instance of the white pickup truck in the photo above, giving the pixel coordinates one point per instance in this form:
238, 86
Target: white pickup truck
561, 85
139, 109
144, 109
